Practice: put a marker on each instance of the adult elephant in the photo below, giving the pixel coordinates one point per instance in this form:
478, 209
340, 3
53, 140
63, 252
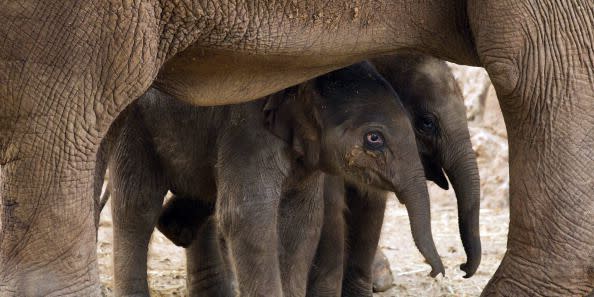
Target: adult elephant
68, 68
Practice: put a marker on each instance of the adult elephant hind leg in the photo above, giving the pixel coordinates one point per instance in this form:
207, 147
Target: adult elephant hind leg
138, 189
550, 250
544, 80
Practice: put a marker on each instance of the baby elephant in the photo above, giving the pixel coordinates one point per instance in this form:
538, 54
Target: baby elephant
436, 109
435, 104
241, 160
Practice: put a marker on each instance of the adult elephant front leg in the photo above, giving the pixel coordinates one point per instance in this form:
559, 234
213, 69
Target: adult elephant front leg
47, 240
249, 191
544, 77
48, 227
57, 100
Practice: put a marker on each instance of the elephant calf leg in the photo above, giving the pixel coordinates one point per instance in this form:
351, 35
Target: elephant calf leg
382, 273
247, 213
301, 217
137, 198
209, 273
190, 223
325, 276
134, 218
365, 225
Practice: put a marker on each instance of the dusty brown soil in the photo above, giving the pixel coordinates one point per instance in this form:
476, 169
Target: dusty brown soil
166, 261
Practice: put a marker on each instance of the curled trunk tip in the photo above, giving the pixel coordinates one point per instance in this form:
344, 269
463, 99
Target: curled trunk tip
464, 177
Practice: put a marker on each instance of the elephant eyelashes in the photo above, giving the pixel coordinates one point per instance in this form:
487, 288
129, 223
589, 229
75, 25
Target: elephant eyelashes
374, 140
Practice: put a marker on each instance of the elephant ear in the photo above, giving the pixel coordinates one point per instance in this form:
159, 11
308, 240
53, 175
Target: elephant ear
277, 115
308, 149
288, 116
434, 173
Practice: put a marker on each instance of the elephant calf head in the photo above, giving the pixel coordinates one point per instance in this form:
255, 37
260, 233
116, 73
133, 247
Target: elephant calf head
435, 104
351, 123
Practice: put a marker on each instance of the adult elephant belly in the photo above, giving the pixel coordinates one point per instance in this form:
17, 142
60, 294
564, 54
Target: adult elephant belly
208, 77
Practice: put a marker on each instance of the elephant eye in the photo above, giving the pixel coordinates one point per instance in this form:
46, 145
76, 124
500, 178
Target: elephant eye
374, 140
427, 124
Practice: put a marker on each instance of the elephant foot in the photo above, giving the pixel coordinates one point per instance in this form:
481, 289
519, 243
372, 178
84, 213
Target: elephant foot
46, 282
519, 276
208, 267
47, 229
382, 274
181, 218
222, 290
354, 285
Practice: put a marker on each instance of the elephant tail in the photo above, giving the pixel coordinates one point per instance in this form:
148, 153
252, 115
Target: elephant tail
104, 198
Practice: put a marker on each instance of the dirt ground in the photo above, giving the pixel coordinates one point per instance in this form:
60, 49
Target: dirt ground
167, 263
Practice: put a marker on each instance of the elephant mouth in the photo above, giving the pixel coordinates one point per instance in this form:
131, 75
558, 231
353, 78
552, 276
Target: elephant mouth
370, 177
434, 172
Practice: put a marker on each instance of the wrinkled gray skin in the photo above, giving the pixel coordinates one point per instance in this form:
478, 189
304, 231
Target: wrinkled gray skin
260, 166
435, 104
430, 93
68, 68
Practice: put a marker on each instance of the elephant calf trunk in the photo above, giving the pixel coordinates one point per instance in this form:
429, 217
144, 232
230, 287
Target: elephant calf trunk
465, 180
416, 199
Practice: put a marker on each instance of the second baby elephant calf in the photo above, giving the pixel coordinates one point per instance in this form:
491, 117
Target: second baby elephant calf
260, 166
436, 108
